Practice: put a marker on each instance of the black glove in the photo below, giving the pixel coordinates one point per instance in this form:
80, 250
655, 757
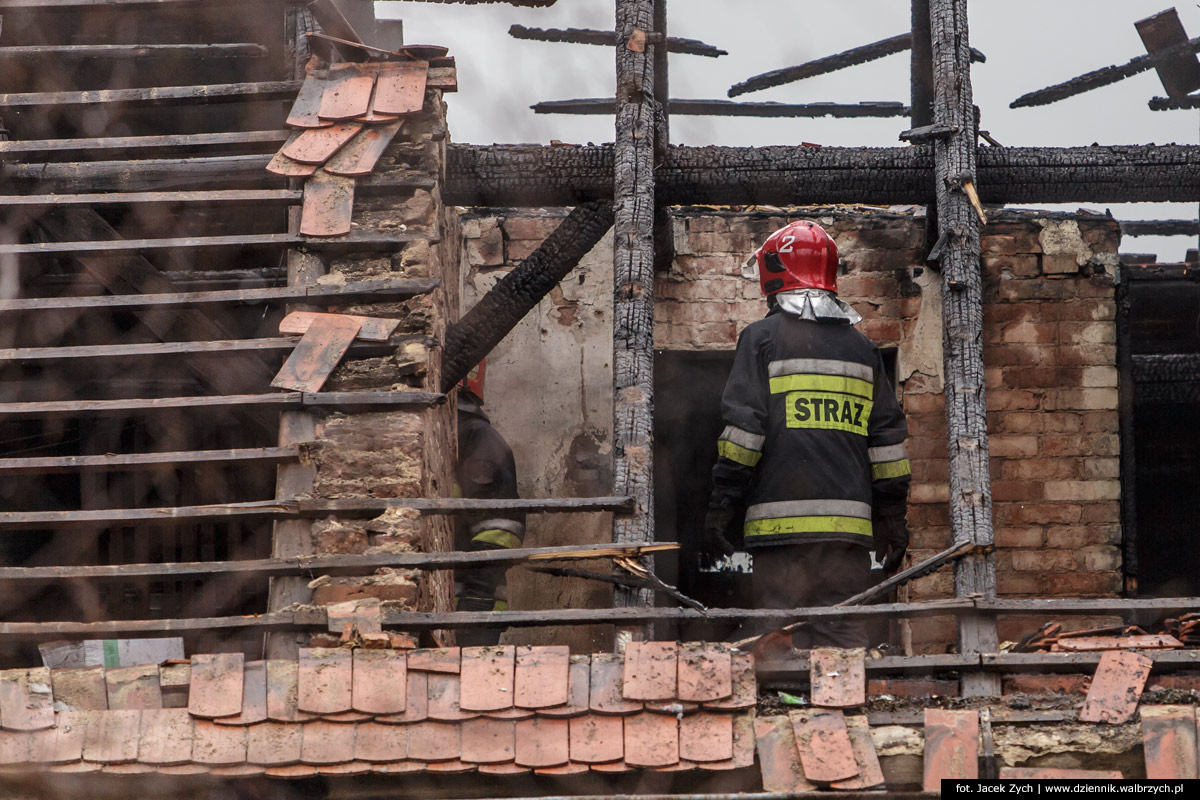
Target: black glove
891, 542
716, 522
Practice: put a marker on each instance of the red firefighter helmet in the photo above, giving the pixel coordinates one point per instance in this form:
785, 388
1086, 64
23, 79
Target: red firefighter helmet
797, 256
473, 383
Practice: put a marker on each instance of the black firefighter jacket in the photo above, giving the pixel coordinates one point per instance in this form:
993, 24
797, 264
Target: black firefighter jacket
814, 438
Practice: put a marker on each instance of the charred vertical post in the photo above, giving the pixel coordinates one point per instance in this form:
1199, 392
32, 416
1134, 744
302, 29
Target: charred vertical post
962, 335
633, 279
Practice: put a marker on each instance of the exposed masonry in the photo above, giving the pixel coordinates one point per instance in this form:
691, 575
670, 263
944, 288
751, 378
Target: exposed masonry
1049, 353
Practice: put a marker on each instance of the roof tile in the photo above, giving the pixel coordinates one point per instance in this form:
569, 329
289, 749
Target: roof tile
327, 743
510, 713
347, 717
254, 696
401, 90
364, 614
359, 157
183, 769
282, 686
743, 740
745, 685
347, 94
444, 698
951, 746
218, 745
416, 706
78, 767
605, 695
61, 744
327, 210
578, 680
441, 659
870, 775
351, 768
308, 101
82, 689
131, 688
488, 741
778, 757
680, 766
434, 741
1116, 687
381, 743
651, 740
127, 769
671, 707
543, 742
705, 672
565, 769
16, 747
453, 767
165, 736
238, 771
597, 739
487, 678
273, 744
380, 682
315, 145
1169, 741
282, 165
650, 670
541, 679
325, 680
112, 736
399, 767
611, 766
216, 685
26, 700
503, 769
294, 772
838, 677
824, 744
706, 737
175, 678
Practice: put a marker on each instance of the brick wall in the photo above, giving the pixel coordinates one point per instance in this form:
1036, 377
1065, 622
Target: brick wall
1049, 350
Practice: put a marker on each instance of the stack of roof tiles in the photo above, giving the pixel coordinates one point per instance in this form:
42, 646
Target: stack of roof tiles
343, 119
337, 711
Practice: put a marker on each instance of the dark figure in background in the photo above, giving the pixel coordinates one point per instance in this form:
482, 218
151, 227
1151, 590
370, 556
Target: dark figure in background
485, 470
813, 446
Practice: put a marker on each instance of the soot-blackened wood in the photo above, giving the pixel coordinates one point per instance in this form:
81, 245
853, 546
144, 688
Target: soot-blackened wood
633, 282
728, 108
1160, 227
690, 47
210, 93
507, 303
820, 66
921, 66
1095, 79
962, 332
533, 175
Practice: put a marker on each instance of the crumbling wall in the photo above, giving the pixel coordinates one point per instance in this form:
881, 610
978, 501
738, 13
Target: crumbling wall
395, 453
1049, 349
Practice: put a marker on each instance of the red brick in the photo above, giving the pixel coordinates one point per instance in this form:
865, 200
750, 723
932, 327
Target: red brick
1019, 537
1013, 446
926, 447
1045, 684
912, 687
1037, 513
1183, 683
1012, 400
1039, 469
1083, 585
929, 516
1016, 355
1043, 560
1106, 512
1087, 310
930, 538
1016, 491
1086, 355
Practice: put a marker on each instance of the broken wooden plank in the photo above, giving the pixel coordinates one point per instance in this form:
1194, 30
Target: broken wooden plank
675, 44
1116, 687
826, 752
65, 53
385, 241
857, 55
261, 90
124, 406
951, 746
317, 354
373, 291
134, 461
1143, 642
18, 147
372, 329
1169, 741
222, 346
838, 677
728, 108
1167, 43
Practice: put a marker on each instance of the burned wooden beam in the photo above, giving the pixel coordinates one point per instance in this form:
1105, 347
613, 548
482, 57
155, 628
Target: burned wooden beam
534, 175
1166, 368
1160, 227
522, 3
210, 93
334, 22
962, 338
726, 108
120, 462
1167, 43
78, 52
1174, 103
692, 47
638, 110
507, 303
270, 139
826, 64
330, 401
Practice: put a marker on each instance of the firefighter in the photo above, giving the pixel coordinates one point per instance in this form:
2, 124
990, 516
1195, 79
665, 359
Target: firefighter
486, 470
813, 445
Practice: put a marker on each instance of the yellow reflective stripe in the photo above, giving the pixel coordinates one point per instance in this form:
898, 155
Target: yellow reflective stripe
735, 452
501, 605
891, 469
823, 383
457, 490
497, 537
778, 525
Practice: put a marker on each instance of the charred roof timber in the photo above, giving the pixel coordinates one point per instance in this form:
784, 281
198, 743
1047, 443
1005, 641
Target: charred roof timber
675, 44
821, 66
726, 108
